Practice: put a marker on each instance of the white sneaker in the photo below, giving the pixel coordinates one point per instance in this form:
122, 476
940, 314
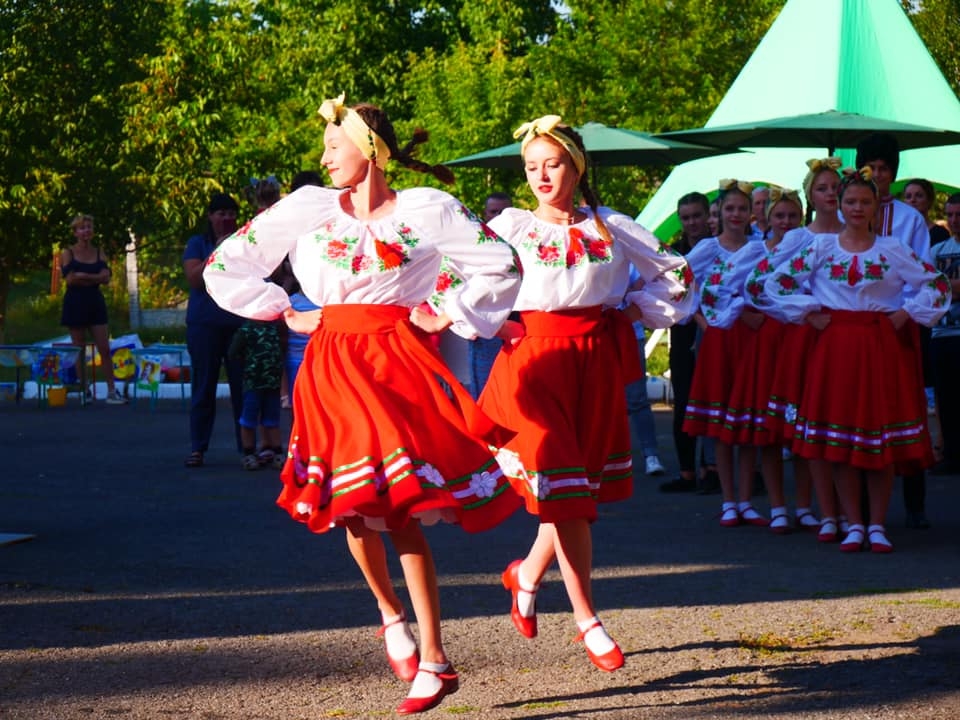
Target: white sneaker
115, 398
654, 466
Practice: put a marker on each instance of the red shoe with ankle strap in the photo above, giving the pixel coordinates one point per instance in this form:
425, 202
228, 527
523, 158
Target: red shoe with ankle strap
526, 626
610, 660
449, 684
405, 669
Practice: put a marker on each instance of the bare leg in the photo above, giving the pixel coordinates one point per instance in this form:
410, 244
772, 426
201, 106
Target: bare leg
78, 337
421, 577
880, 488
821, 472
804, 482
248, 437
746, 462
771, 460
574, 549
368, 551
101, 339
725, 470
849, 487
542, 554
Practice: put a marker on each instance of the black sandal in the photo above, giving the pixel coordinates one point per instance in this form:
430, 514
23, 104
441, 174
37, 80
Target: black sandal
194, 459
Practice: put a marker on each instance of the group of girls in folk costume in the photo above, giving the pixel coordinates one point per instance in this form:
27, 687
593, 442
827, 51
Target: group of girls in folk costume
818, 332
380, 443
863, 406
726, 340
562, 386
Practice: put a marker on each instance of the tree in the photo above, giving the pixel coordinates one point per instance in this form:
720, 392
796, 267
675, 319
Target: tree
61, 64
938, 24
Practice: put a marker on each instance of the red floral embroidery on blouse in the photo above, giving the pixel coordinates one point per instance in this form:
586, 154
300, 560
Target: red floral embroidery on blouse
714, 279
337, 249
764, 266
575, 251
787, 282
837, 271
874, 271
444, 281
390, 254
547, 253
797, 264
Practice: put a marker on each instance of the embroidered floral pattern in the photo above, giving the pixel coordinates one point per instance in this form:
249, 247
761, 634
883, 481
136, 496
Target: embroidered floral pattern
708, 295
214, 261
874, 270
788, 283
447, 280
431, 475
483, 484
756, 280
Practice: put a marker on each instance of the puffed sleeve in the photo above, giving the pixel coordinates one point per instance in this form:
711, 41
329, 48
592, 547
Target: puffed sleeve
667, 295
926, 297
479, 275
236, 271
753, 294
784, 287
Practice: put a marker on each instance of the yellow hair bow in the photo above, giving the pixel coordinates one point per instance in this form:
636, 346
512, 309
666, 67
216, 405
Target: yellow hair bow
778, 193
545, 126
371, 145
828, 163
865, 173
729, 183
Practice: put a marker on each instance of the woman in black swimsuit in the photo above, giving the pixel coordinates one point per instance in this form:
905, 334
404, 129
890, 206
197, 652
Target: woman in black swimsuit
85, 269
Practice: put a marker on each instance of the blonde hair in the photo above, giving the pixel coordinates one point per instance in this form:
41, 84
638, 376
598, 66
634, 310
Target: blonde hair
80, 220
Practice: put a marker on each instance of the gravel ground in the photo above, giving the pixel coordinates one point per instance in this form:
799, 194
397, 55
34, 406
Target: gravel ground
154, 591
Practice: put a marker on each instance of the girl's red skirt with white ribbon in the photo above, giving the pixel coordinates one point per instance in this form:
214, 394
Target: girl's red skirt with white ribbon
719, 358
562, 388
375, 433
863, 403
746, 420
793, 356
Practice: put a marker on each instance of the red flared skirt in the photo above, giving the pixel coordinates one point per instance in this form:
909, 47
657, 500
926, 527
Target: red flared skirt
746, 420
563, 390
789, 377
375, 433
718, 362
863, 402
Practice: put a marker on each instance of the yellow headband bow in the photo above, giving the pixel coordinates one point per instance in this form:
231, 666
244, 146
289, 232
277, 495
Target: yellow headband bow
545, 126
729, 183
371, 145
851, 174
829, 163
780, 193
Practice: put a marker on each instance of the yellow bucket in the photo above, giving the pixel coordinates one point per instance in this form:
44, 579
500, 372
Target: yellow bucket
57, 396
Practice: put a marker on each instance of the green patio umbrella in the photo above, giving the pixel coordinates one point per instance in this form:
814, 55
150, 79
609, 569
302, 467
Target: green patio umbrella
606, 146
830, 130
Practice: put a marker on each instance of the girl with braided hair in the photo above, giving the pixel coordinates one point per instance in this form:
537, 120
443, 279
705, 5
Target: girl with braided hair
863, 408
562, 386
377, 446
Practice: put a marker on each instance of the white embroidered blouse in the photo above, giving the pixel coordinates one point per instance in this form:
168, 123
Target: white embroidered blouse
393, 260
887, 277
571, 266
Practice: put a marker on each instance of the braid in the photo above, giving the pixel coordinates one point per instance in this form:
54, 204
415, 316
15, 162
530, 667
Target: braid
377, 120
587, 192
405, 158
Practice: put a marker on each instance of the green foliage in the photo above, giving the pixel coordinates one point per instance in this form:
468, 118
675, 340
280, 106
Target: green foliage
938, 23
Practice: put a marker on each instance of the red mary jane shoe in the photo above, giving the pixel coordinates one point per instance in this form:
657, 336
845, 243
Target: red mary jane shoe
449, 684
405, 669
511, 581
610, 660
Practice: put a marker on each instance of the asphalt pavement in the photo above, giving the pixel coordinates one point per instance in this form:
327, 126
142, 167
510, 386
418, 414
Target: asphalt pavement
151, 590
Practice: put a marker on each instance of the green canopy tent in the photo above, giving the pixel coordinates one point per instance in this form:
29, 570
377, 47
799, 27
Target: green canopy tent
851, 56
606, 146
828, 130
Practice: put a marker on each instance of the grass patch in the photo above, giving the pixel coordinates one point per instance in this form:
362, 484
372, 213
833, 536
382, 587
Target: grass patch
772, 643
543, 705
932, 602
868, 591
460, 709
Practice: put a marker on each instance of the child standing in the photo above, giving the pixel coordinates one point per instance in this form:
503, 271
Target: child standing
257, 345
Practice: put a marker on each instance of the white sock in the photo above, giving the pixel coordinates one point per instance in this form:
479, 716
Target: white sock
397, 636
779, 512
596, 638
526, 595
746, 510
426, 684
